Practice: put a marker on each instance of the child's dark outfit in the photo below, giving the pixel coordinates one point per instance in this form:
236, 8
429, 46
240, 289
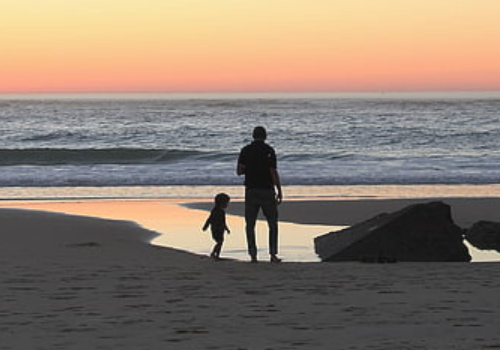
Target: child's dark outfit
217, 223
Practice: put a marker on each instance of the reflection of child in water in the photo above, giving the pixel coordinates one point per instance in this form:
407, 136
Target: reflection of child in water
217, 223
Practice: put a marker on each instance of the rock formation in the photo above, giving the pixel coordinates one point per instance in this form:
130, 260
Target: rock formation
419, 232
484, 235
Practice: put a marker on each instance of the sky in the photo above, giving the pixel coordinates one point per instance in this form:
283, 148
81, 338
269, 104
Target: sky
71, 46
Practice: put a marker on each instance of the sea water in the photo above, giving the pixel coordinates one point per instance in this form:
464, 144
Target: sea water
321, 140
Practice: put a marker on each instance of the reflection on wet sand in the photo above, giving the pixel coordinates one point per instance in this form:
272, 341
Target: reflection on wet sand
180, 227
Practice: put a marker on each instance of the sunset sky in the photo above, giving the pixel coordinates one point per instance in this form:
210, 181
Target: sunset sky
249, 45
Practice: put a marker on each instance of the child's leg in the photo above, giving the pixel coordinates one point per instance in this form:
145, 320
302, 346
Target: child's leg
212, 254
218, 237
217, 249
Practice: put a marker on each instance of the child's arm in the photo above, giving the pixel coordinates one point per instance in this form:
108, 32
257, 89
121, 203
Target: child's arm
207, 223
224, 221
210, 219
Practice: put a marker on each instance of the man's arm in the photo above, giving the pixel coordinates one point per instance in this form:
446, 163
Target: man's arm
277, 183
240, 169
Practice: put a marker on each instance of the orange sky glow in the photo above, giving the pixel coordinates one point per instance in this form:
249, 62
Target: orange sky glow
249, 46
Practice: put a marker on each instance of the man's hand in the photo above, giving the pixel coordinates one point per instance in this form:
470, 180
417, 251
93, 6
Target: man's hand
279, 198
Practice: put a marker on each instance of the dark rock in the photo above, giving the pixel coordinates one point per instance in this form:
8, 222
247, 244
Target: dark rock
419, 232
484, 235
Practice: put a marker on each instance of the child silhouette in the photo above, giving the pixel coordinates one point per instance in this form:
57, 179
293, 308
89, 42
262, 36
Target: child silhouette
217, 223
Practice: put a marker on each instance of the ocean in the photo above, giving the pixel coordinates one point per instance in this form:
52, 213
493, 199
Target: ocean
183, 142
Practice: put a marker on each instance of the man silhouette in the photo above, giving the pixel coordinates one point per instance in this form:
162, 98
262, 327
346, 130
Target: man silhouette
257, 161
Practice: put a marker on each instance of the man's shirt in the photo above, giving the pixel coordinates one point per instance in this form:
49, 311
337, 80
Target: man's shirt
258, 158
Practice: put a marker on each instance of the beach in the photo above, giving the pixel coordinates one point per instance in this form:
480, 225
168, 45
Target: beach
122, 122
79, 282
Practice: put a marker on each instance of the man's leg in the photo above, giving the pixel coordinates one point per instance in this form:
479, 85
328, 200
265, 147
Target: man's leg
270, 210
251, 211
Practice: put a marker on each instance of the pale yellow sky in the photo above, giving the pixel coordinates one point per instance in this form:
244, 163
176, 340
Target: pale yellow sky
241, 45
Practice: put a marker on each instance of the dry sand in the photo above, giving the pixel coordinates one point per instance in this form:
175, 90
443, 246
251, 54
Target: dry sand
70, 282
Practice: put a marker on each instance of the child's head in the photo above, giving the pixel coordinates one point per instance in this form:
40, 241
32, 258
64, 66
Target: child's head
222, 200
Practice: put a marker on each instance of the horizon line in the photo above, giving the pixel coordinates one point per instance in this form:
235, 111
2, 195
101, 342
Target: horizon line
239, 94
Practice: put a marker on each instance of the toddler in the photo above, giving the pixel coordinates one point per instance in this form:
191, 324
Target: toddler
217, 223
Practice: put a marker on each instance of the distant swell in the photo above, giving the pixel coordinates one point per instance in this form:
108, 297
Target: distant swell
50, 156
51, 136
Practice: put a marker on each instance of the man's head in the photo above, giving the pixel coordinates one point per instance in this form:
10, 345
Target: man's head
259, 133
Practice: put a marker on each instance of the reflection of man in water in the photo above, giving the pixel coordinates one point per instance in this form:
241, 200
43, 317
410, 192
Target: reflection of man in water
257, 161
